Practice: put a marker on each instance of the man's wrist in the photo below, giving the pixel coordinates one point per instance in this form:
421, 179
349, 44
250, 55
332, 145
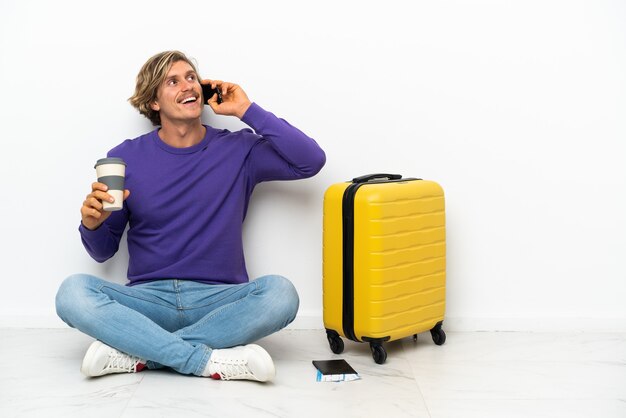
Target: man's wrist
243, 110
89, 229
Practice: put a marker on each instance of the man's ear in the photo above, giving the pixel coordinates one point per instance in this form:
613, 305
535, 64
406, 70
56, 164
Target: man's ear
155, 106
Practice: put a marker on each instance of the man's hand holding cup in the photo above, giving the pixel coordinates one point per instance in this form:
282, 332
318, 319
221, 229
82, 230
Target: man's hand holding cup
107, 194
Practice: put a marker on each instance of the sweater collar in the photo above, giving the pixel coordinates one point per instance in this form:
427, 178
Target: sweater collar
210, 132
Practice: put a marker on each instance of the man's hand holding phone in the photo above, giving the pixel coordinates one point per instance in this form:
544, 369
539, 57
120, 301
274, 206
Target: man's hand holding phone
226, 99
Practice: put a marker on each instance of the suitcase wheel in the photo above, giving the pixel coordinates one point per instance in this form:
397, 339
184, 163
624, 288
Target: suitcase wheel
439, 337
335, 341
378, 352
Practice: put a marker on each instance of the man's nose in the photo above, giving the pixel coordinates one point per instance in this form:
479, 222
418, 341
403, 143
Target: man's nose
188, 85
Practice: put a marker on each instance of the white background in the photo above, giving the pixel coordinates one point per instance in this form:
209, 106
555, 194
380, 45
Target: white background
517, 108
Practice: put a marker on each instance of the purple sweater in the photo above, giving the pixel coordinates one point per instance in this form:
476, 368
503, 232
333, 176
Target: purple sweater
187, 205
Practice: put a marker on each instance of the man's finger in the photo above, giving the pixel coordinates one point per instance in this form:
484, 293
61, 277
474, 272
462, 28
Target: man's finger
99, 186
225, 87
87, 212
94, 203
213, 103
102, 196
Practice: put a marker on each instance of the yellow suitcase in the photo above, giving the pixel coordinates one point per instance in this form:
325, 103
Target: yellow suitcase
384, 261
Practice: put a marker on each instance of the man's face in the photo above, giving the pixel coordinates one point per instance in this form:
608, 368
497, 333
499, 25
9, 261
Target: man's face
179, 98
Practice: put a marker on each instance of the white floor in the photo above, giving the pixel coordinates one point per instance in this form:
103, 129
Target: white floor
478, 374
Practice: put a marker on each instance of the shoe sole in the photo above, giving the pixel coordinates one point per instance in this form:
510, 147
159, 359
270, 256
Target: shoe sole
89, 357
271, 372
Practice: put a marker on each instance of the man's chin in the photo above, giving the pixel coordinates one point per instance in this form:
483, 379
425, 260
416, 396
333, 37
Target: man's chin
186, 119
191, 114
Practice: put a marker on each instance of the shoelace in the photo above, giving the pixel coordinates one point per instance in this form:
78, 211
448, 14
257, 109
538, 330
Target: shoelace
121, 362
232, 369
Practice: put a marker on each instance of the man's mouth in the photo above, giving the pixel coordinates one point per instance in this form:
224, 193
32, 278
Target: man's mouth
190, 99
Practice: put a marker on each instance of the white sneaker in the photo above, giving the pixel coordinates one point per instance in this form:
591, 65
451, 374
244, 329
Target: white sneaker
101, 359
249, 362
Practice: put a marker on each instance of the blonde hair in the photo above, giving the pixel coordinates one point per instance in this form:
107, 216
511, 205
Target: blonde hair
150, 77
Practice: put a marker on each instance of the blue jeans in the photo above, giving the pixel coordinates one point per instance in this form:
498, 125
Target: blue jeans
176, 323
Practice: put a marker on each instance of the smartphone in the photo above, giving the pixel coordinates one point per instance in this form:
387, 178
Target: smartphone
208, 92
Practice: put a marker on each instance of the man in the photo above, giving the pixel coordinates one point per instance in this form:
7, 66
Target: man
189, 304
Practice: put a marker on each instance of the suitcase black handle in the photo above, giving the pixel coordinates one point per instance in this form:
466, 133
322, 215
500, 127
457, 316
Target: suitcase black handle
368, 177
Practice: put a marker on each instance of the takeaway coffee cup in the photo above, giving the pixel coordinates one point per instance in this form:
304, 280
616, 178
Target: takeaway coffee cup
111, 171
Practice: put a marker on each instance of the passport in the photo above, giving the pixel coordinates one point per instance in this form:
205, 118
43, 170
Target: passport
337, 370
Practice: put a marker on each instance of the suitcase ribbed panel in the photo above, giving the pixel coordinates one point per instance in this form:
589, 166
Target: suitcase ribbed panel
403, 240
407, 272
399, 258
392, 290
408, 323
390, 307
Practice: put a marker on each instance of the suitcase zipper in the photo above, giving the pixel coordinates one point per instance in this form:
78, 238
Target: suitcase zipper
348, 260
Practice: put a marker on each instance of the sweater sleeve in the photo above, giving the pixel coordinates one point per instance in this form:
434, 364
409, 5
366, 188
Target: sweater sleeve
103, 242
283, 151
